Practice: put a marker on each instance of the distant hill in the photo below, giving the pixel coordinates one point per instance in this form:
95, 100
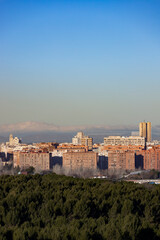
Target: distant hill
44, 132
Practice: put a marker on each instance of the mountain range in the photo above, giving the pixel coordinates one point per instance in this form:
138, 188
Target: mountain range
40, 131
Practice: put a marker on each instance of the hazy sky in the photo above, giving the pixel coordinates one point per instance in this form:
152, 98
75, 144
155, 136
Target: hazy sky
80, 62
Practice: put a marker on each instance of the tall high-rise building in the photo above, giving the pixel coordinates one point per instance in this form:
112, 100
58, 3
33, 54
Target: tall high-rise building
149, 137
145, 130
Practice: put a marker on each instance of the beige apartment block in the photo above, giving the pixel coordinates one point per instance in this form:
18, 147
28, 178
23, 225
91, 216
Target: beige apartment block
121, 160
80, 138
77, 160
38, 160
151, 158
72, 148
16, 158
87, 141
118, 140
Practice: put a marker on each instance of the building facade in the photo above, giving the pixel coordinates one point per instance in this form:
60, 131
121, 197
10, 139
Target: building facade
118, 140
38, 160
80, 138
121, 160
145, 130
150, 159
78, 160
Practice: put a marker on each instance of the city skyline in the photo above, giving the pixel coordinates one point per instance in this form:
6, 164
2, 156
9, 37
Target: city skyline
41, 132
75, 63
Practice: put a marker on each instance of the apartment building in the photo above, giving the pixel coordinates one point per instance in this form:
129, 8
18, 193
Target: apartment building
121, 160
38, 160
80, 138
77, 160
121, 147
71, 147
118, 140
150, 159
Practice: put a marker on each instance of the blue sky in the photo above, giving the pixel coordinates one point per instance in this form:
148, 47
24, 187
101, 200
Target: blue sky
80, 62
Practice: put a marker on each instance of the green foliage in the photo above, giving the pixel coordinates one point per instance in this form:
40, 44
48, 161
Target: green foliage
30, 170
59, 208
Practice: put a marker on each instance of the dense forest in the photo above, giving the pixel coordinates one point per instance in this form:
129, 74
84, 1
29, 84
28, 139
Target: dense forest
60, 207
